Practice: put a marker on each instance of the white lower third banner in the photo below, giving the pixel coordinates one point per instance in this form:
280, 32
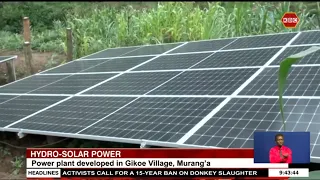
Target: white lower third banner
148, 163
43, 173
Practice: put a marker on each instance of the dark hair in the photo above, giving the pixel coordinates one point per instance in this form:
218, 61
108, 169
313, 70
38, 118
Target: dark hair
277, 135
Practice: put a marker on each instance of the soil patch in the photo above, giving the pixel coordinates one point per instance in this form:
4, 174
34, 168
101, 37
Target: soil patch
12, 154
41, 61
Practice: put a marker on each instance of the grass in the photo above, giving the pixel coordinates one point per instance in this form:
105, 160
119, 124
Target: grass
111, 26
177, 21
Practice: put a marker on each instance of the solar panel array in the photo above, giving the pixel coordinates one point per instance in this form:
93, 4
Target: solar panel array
212, 93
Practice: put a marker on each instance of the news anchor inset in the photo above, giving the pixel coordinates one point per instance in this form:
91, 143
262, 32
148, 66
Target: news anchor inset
281, 147
280, 153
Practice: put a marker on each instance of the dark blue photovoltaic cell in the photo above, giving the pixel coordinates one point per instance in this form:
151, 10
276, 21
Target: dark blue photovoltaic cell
158, 119
301, 81
311, 37
152, 49
208, 82
313, 58
133, 83
30, 84
198, 46
76, 66
74, 114
119, 64
108, 53
20, 107
261, 41
73, 84
234, 125
181, 61
256, 57
4, 98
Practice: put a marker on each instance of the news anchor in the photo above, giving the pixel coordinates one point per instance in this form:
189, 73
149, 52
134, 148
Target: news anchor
280, 153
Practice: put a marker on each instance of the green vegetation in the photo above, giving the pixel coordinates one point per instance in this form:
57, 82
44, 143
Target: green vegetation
4, 152
98, 26
41, 13
285, 66
17, 164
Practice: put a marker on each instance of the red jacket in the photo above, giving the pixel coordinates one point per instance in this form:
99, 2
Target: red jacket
274, 155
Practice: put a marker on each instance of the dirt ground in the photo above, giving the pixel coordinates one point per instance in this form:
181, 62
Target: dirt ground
12, 163
40, 61
9, 176
12, 154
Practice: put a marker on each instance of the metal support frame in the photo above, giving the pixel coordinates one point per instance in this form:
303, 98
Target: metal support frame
143, 144
21, 134
11, 60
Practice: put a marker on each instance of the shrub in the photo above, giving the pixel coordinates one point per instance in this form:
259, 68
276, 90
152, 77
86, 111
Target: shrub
42, 14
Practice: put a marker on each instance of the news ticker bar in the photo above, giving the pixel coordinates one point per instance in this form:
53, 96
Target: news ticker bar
60, 173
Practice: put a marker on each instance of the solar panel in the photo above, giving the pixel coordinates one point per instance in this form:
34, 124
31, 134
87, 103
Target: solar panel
311, 37
74, 114
261, 41
112, 52
212, 93
313, 58
301, 81
99, 65
256, 57
199, 46
118, 64
179, 61
133, 83
156, 119
72, 84
233, 126
153, 49
5, 98
20, 107
30, 84
75, 66
206, 82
